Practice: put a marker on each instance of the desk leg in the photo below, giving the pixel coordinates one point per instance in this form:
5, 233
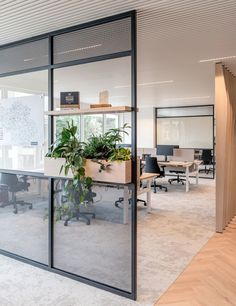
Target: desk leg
126, 205
187, 179
197, 174
149, 193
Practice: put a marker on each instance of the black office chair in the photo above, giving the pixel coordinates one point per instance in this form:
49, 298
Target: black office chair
15, 185
177, 179
207, 161
151, 166
121, 199
74, 210
145, 155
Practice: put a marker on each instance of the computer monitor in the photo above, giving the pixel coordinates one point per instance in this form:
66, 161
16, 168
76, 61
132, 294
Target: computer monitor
124, 145
166, 150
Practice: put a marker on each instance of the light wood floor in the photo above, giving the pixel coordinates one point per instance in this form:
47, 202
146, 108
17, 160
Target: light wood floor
210, 279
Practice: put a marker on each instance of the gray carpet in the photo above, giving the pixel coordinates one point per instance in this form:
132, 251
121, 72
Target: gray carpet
179, 225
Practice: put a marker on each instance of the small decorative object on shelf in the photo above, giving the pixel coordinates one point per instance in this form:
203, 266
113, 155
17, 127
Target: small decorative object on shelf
70, 99
103, 100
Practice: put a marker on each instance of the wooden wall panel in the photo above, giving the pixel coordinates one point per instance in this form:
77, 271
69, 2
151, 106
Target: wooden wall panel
225, 98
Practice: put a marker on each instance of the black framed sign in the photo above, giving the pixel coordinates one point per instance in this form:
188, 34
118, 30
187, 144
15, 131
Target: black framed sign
69, 99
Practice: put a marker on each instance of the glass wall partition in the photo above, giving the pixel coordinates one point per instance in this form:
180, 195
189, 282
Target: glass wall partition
93, 243
190, 127
102, 250
24, 215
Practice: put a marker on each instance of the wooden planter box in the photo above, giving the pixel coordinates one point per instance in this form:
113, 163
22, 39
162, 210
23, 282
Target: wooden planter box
52, 167
117, 172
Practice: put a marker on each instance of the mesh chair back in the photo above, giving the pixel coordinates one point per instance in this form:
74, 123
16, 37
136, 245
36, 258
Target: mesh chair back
10, 180
151, 165
206, 156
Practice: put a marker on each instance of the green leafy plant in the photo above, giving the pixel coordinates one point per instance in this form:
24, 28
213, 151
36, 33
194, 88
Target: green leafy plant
68, 146
120, 154
98, 148
105, 147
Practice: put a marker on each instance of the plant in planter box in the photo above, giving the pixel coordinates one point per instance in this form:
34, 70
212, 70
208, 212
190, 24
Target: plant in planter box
103, 149
68, 147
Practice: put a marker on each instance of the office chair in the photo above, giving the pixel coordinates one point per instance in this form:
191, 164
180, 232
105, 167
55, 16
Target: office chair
121, 199
145, 155
75, 206
151, 166
177, 179
207, 161
15, 185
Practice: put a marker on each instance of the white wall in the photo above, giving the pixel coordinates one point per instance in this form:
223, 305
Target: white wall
146, 128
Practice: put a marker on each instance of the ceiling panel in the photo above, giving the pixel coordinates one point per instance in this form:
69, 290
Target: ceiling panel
173, 37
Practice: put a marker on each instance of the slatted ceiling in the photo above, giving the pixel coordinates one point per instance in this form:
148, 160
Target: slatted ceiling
173, 35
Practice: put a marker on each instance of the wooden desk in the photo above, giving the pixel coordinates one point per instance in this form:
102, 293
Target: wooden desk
189, 167
148, 177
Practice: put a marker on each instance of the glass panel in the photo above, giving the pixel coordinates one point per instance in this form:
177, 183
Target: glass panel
62, 121
93, 125
23, 126
94, 41
23, 216
100, 251
113, 76
24, 56
185, 111
111, 121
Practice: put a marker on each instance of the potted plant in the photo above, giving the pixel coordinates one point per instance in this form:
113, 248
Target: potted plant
105, 160
99, 159
67, 154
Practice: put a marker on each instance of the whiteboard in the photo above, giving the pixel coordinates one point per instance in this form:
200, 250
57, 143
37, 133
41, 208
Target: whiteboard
187, 132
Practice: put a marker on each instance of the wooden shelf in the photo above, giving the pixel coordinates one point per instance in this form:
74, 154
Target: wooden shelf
100, 110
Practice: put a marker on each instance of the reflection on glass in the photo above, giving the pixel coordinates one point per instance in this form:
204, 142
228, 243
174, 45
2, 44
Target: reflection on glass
23, 212
99, 249
111, 121
91, 79
23, 135
62, 121
93, 125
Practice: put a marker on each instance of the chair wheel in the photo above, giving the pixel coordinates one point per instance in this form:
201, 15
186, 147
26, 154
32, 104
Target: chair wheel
66, 223
88, 222
166, 190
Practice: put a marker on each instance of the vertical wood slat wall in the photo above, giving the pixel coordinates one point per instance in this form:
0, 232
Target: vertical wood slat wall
225, 98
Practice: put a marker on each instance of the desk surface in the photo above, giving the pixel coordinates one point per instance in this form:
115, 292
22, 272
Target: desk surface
176, 163
146, 176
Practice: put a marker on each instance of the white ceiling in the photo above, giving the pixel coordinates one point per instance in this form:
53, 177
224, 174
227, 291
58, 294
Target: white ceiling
173, 35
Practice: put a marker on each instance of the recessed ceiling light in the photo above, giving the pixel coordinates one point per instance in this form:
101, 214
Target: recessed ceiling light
147, 84
188, 98
28, 59
217, 59
118, 97
79, 49
155, 83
